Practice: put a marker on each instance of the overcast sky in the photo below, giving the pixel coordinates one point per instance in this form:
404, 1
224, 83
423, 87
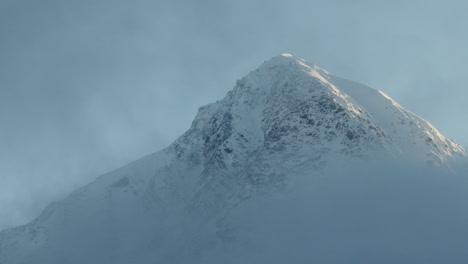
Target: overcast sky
87, 86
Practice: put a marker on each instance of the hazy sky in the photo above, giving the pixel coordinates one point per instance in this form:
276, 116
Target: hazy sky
89, 85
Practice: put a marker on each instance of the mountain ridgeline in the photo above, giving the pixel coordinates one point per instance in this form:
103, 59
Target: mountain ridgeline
291, 151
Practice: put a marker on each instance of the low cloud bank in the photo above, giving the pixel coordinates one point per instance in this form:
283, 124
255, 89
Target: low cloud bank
379, 212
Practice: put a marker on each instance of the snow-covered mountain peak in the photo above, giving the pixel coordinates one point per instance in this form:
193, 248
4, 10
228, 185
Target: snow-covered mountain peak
284, 58
290, 63
285, 118
290, 106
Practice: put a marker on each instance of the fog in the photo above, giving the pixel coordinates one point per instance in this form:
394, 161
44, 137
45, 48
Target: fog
383, 212
88, 86
373, 211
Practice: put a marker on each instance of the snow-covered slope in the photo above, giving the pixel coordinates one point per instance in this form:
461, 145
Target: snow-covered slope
287, 116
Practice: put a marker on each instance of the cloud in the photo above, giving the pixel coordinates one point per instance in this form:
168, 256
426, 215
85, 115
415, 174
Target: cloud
384, 212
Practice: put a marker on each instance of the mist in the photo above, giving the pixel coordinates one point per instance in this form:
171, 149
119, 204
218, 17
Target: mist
88, 86
379, 212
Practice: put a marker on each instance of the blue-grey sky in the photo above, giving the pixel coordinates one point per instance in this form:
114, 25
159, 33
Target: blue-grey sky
87, 86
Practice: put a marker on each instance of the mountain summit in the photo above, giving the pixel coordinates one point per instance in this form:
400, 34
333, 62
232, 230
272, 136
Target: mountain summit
286, 117
290, 105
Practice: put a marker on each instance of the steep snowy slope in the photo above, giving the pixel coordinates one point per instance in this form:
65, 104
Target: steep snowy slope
285, 117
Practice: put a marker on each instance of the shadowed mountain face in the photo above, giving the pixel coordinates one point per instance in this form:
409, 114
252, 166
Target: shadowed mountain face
285, 123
